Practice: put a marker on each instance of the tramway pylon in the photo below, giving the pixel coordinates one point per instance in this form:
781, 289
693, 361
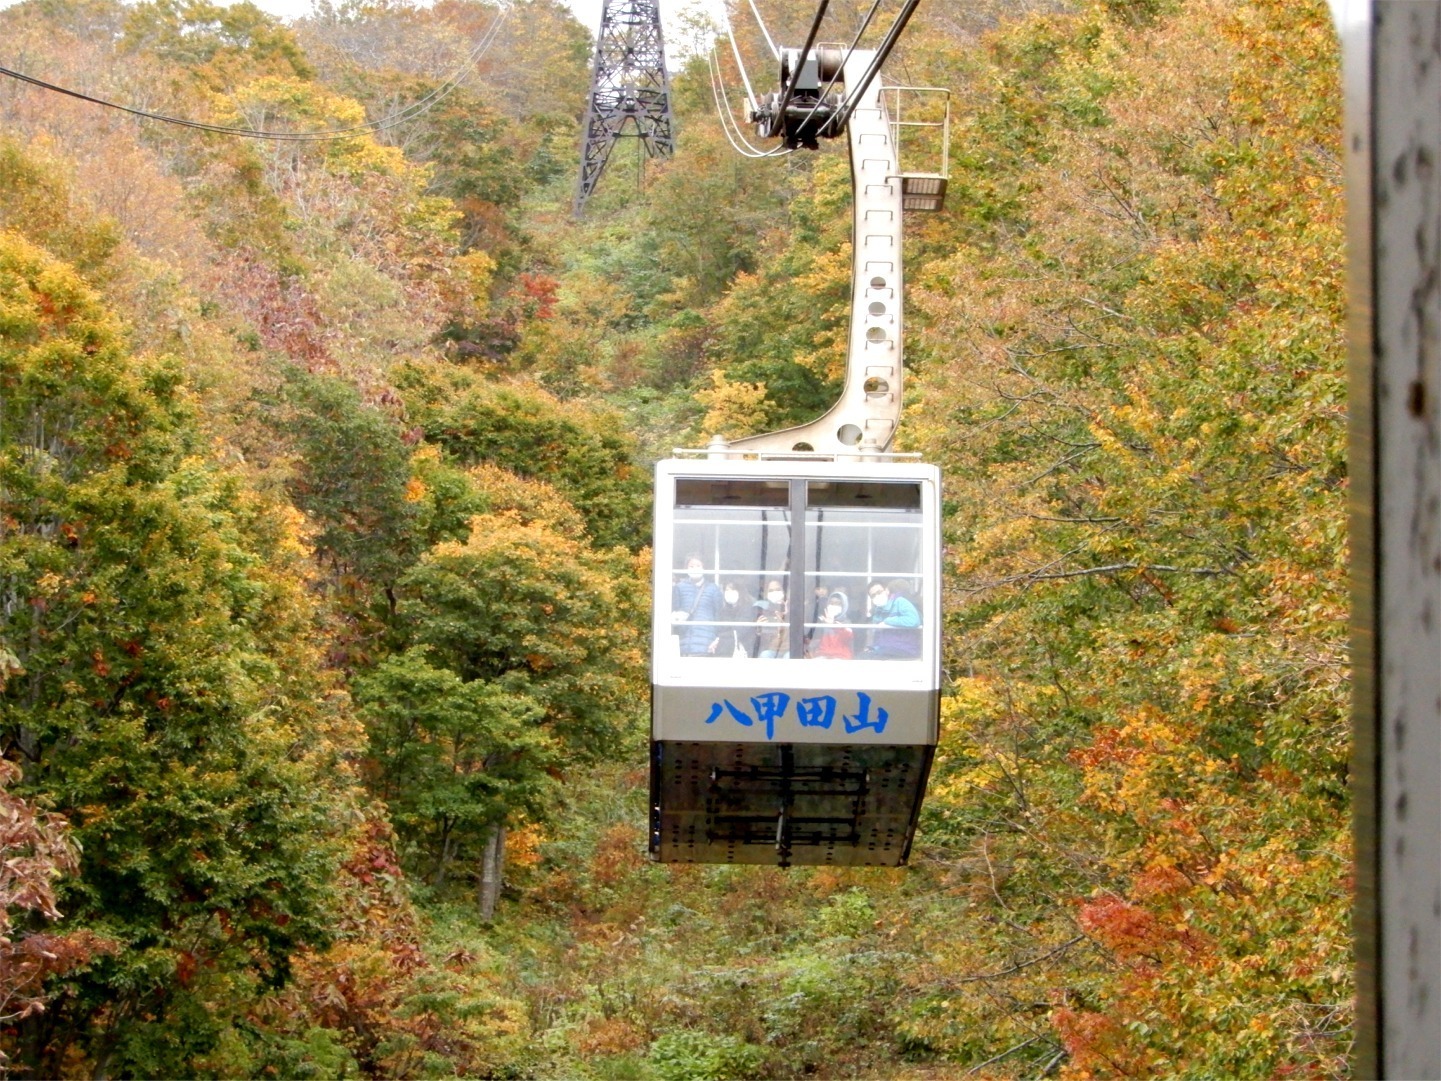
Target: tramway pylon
629, 91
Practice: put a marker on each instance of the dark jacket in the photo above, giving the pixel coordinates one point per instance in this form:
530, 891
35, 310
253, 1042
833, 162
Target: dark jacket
743, 611
775, 630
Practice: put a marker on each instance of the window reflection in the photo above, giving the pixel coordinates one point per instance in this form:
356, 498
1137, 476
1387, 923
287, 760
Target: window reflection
848, 585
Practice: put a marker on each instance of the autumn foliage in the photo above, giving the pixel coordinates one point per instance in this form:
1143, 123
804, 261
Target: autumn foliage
323, 564
35, 852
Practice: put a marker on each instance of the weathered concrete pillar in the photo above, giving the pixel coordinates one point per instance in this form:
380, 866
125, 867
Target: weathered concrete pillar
1392, 52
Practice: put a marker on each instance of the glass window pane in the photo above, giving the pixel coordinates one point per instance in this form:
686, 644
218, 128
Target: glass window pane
726, 558
729, 492
863, 571
899, 495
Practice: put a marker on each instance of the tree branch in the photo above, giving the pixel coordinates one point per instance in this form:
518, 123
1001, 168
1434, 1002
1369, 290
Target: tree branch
997, 1058
1084, 572
1072, 521
1017, 967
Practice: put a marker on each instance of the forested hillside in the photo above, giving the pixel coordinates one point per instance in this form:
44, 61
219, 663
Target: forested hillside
324, 516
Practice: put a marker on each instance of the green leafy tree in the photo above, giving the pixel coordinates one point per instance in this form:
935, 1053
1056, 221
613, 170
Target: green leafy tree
351, 474
525, 658
783, 326
584, 453
162, 692
456, 760
520, 602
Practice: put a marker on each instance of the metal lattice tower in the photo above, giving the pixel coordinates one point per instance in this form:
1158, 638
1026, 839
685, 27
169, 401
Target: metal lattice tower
629, 91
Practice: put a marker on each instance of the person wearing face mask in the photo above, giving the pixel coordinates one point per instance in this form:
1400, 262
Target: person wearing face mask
695, 605
898, 624
775, 631
733, 640
831, 640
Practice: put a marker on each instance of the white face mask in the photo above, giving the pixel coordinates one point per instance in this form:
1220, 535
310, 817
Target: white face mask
732, 596
776, 596
695, 574
833, 610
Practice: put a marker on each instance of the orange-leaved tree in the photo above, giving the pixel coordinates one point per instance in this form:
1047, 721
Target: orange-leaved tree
1133, 376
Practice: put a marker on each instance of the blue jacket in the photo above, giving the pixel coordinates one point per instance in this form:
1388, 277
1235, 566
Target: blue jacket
898, 629
703, 603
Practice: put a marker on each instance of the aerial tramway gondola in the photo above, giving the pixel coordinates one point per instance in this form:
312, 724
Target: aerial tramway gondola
795, 722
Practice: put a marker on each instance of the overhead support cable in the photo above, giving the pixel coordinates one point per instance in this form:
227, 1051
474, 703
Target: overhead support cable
775, 53
788, 91
724, 111
740, 64
855, 93
733, 130
401, 116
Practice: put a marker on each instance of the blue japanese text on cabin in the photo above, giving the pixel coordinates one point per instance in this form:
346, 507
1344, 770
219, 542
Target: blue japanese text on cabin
817, 711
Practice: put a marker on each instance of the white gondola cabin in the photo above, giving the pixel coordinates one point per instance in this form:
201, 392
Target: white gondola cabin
796, 663
796, 680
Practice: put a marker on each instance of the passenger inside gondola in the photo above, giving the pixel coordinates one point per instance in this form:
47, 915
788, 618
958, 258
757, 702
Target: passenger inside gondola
898, 623
790, 550
695, 606
773, 620
833, 639
736, 637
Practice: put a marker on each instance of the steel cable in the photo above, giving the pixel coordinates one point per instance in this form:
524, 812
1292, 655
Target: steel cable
747, 150
789, 89
740, 64
840, 69
776, 53
410, 112
853, 94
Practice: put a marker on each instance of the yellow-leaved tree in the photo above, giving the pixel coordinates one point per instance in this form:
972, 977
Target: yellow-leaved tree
1132, 375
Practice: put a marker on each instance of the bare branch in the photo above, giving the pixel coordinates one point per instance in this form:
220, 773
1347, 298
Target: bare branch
1017, 967
1004, 1054
1101, 307
1067, 460
1073, 521
1110, 568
